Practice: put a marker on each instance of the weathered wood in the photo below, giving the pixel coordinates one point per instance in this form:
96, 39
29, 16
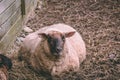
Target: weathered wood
5, 4
28, 8
27, 2
6, 26
11, 20
35, 3
23, 7
10, 35
9, 11
27, 5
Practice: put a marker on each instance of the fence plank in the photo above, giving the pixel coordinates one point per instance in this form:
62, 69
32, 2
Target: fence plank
27, 2
10, 35
28, 8
5, 4
9, 11
6, 26
23, 7
11, 20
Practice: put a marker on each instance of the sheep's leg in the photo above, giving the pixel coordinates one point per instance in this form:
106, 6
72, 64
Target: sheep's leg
20, 53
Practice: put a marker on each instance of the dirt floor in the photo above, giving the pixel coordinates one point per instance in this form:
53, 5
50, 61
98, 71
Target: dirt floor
98, 21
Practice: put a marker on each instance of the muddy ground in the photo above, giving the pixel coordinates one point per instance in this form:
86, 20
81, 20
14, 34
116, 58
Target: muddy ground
98, 21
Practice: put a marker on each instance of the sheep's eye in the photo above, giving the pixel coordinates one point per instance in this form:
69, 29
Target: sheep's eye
63, 38
49, 39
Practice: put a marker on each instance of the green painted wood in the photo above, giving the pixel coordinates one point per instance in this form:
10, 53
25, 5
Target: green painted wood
4, 4
9, 11
6, 26
10, 35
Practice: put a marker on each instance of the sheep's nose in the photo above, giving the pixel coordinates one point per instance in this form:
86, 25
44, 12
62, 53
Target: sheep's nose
58, 49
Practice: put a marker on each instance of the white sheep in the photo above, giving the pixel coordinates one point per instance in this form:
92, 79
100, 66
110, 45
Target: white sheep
54, 49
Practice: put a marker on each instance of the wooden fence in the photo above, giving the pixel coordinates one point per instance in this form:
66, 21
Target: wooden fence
13, 14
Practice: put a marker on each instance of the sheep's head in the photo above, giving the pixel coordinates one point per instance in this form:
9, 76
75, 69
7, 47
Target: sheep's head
56, 41
5, 61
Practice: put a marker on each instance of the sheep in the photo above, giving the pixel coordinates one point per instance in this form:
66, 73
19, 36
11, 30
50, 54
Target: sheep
5, 65
53, 49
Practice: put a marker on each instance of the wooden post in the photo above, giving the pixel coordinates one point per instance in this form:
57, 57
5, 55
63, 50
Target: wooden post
23, 7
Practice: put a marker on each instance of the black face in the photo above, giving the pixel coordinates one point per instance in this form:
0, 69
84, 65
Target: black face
5, 61
56, 43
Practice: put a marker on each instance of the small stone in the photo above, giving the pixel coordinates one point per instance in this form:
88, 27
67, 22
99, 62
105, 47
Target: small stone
28, 30
21, 39
112, 56
39, 4
22, 35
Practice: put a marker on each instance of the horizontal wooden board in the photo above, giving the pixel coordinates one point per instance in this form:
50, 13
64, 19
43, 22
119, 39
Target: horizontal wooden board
6, 26
4, 4
14, 23
10, 35
9, 11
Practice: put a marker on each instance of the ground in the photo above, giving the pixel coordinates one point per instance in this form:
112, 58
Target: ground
98, 21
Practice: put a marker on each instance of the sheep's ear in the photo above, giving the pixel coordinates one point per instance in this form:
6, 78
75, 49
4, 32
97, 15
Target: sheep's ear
43, 35
69, 34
